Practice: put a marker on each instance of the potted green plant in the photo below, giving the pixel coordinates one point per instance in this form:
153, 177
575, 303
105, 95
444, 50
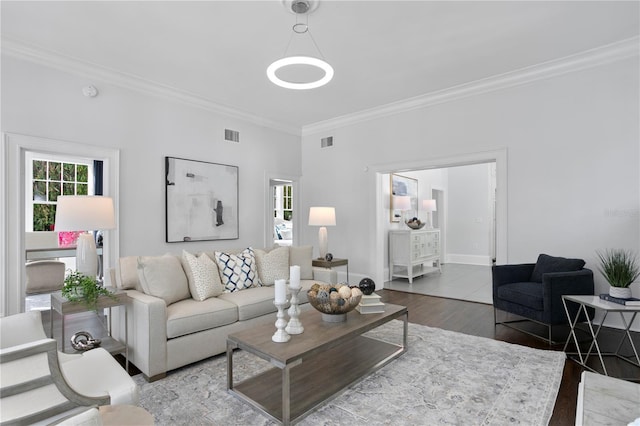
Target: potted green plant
620, 268
79, 288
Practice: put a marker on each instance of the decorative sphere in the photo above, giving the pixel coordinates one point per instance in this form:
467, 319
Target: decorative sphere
367, 285
328, 257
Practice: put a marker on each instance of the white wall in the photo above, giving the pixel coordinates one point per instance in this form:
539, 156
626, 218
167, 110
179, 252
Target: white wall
469, 215
44, 102
573, 175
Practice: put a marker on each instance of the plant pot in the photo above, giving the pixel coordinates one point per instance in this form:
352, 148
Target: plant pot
620, 292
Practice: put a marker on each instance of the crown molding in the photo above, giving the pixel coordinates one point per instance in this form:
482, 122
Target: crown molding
97, 72
587, 59
580, 61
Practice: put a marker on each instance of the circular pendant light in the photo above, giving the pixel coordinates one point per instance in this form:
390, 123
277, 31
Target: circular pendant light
300, 8
295, 61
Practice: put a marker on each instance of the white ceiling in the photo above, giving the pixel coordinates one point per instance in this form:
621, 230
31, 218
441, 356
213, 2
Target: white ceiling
382, 51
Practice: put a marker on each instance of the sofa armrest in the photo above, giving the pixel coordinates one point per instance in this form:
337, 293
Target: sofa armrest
329, 276
147, 324
507, 274
557, 284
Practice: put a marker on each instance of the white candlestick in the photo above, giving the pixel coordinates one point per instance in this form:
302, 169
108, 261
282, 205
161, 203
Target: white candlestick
281, 291
294, 276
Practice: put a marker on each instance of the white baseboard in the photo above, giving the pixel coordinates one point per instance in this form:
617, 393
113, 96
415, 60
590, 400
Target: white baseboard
468, 259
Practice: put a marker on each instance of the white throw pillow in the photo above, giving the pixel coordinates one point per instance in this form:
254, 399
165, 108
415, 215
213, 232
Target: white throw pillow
238, 271
272, 265
202, 275
301, 256
163, 277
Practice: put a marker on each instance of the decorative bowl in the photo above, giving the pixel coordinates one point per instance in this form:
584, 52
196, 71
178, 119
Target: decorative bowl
415, 224
334, 301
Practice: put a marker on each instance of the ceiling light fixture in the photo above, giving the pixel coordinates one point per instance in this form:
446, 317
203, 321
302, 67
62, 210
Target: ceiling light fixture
300, 7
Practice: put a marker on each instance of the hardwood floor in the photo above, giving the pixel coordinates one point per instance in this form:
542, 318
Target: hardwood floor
478, 319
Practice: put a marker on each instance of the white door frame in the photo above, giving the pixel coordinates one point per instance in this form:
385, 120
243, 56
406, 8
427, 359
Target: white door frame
268, 220
378, 199
12, 206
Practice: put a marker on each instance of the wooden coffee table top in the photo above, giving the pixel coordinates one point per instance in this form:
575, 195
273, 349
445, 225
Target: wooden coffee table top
318, 335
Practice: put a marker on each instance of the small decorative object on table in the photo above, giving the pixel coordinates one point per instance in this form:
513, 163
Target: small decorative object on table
328, 257
68, 238
294, 326
620, 269
367, 286
83, 341
281, 336
334, 301
415, 223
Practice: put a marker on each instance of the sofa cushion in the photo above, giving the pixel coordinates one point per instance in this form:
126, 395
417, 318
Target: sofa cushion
272, 264
190, 316
163, 277
252, 303
128, 273
527, 294
302, 256
202, 275
238, 272
547, 264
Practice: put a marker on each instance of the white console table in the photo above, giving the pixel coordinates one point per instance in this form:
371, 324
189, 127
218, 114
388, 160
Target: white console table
410, 250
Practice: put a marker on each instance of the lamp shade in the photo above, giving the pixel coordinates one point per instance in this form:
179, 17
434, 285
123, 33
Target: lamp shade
402, 202
84, 213
322, 216
429, 205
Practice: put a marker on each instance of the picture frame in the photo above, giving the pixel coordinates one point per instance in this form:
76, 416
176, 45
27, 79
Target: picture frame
403, 185
201, 201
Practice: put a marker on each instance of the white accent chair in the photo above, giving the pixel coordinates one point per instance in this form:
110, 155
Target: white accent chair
40, 384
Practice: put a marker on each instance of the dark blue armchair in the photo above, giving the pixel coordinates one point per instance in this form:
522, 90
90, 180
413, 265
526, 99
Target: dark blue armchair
534, 291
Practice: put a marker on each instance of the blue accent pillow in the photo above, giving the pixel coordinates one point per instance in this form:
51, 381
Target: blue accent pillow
238, 271
547, 264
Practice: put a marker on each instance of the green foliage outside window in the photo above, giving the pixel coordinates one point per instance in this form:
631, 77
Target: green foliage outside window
44, 216
50, 180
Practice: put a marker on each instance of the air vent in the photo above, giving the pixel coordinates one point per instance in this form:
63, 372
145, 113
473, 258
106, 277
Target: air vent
231, 135
326, 142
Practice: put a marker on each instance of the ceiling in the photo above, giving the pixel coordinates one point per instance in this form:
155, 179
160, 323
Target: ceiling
382, 51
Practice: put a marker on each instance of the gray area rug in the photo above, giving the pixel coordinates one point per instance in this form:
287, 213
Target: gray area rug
444, 378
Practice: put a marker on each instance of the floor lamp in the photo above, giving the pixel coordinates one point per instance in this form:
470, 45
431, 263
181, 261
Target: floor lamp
85, 213
322, 217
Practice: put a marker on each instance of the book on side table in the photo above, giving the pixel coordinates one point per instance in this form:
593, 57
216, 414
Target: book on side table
370, 304
633, 301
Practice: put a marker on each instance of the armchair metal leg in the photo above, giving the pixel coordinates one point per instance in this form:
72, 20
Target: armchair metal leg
511, 325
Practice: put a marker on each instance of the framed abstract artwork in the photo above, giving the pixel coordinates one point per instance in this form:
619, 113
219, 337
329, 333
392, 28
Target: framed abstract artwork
402, 185
201, 200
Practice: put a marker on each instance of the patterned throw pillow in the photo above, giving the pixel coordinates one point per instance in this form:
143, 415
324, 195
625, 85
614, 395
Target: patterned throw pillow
238, 271
273, 264
202, 274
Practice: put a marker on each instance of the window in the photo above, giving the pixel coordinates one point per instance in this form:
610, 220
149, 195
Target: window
283, 202
49, 178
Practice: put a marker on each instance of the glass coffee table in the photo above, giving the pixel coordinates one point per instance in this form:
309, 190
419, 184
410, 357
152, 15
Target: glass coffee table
313, 366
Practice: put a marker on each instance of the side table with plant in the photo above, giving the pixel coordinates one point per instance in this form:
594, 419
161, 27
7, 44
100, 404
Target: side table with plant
79, 288
620, 268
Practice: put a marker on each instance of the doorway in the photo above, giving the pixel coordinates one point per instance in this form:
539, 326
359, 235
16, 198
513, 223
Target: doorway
380, 200
282, 206
12, 207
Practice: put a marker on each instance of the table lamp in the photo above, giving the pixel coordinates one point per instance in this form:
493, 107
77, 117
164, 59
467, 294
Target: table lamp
85, 213
429, 206
322, 217
402, 203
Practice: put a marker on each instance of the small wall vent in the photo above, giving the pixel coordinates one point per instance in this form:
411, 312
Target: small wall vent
326, 142
231, 135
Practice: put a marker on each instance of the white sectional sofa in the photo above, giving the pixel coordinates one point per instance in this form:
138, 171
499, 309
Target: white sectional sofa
182, 308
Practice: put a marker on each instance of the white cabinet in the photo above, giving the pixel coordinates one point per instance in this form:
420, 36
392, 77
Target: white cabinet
413, 253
